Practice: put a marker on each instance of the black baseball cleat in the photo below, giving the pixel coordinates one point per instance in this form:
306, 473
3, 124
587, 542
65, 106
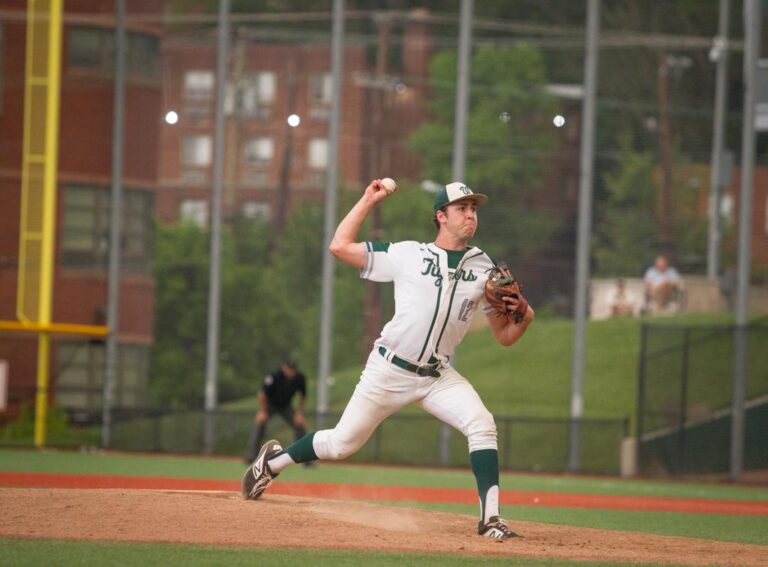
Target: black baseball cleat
496, 528
258, 477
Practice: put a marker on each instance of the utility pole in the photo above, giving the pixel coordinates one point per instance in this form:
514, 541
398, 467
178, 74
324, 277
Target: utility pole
669, 66
115, 227
752, 24
214, 291
284, 180
665, 205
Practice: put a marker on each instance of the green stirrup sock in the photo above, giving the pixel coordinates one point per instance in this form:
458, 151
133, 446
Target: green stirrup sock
302, 451
485, 466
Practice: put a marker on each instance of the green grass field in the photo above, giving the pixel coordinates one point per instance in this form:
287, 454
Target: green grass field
742, 529
23, 553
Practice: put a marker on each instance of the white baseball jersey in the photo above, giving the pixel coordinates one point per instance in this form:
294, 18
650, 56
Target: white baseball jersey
434, 306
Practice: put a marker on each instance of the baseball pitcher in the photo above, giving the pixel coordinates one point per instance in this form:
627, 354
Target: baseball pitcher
438, 286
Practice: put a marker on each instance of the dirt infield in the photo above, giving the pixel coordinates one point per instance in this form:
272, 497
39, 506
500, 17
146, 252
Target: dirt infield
223, 518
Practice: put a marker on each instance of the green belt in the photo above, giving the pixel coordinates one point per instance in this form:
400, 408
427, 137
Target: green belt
427, 370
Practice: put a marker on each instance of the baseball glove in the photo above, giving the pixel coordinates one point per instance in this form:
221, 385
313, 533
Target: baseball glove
501, 283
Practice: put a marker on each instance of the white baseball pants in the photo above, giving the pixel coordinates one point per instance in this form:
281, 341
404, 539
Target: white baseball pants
385, 388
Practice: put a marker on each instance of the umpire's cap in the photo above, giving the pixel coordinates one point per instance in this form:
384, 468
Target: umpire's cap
457, 191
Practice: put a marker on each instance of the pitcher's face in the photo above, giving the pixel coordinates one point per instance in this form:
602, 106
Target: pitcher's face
461, 219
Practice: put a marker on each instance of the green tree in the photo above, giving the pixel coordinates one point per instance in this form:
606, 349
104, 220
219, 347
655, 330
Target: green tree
626, 228
510, 138
691, 191
178, 353
626, 235
255, 331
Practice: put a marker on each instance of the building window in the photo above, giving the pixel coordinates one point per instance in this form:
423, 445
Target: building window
320, 96
198, 85
94, 48
197, 151
80, 377
318, 154
320, 89
259, 151
257, 211
257, 94
142, 57
91, 48
85, 229
194, 211
198, 94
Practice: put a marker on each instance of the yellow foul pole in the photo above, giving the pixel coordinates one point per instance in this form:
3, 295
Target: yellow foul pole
39, 176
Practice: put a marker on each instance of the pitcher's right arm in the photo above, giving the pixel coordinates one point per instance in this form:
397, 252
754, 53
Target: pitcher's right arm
344, 244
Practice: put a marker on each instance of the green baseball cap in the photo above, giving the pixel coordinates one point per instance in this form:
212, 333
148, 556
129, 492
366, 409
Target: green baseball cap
457, 191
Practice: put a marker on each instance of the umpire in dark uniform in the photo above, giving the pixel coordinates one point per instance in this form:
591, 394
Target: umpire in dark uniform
275, 396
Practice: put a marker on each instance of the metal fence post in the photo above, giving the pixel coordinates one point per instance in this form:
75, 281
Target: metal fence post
640, 396
683, 402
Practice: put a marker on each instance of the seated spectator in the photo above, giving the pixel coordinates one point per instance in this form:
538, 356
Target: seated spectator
663, 287
621, 300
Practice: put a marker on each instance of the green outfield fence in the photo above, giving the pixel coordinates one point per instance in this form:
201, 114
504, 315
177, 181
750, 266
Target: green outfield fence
684, 398
525, 443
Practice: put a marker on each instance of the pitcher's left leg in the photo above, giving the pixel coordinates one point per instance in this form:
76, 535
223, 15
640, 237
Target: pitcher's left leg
453, 400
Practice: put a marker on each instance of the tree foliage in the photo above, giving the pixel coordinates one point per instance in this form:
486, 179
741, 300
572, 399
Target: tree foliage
509, 139
256, 329
181, 292
626, 228
627, 236
270, 307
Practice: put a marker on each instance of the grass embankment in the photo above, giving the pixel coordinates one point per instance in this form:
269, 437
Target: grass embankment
532, 378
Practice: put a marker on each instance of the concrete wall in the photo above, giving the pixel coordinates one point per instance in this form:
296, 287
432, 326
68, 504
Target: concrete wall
701, 295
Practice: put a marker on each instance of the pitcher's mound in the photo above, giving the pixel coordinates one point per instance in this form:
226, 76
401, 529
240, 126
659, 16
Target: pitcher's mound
223, 518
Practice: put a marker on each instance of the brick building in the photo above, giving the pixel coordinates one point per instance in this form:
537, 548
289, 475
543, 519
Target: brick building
270, 166
759, 246
82, 216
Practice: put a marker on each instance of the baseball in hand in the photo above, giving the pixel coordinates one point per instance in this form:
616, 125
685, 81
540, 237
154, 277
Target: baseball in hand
389, 185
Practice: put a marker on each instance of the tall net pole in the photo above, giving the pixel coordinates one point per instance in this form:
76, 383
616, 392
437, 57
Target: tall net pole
326, 315
584, 232
115, 228
214, 291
